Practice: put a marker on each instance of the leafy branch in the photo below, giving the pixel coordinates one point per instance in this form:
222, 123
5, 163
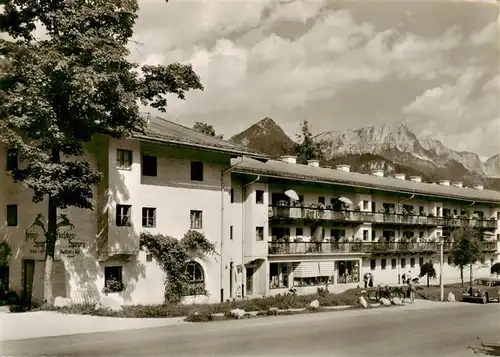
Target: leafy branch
173, 256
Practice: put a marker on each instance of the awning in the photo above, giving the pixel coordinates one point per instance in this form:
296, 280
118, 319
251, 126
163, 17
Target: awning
306, 270
327, 268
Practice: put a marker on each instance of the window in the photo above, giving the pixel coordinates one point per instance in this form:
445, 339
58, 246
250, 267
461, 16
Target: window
113, 280
383, 263
498, 216
492, 261
374, 207
421, 211
421, 234
365, 234
278, 275
259, 233
373, 264
420, 261
347, 271
149, 258
149, 165
123, 215
123, 159
483, 261
365, 205
403, 262
394, 263
196, 279
299, 232
12, 159
259, 196
301, 199
412, 262
321, 200
232, 195
231, 232
196, 171
196, 219
12, 215
148, 217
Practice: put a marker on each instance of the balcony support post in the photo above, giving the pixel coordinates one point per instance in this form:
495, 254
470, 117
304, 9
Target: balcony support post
441, 258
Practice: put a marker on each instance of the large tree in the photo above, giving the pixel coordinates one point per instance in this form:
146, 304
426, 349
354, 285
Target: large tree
206, 129
76, 83
467, 249
307, 148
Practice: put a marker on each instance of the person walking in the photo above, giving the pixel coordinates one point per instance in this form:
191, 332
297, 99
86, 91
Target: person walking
412, 289
366, 278
408, 277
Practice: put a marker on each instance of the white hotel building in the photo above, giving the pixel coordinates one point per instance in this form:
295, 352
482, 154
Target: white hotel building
174, 179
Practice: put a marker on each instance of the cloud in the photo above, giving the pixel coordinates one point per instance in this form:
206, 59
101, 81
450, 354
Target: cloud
292, 72
488, 35
459, 114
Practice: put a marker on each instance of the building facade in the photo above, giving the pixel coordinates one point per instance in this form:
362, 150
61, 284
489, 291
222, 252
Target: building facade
340, 225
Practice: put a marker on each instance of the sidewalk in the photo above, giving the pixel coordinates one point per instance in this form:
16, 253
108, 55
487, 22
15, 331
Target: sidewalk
20, 326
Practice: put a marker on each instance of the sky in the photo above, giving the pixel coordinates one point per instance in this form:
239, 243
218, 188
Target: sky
340, 65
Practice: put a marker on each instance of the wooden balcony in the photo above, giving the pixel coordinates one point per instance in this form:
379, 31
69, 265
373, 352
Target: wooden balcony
314, 214
297, 248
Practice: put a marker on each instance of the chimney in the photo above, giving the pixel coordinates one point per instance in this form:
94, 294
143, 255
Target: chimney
444, 182
379, 173
314, 163
400, 176
416, 178
345, 168
479, 187
289, 159
458, 184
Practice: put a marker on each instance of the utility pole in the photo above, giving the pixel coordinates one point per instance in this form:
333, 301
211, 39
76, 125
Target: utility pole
441, 258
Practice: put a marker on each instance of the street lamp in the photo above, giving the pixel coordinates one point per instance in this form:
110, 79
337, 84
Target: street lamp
441, 260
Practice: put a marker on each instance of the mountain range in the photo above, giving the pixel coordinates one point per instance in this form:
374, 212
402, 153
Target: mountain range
391, 147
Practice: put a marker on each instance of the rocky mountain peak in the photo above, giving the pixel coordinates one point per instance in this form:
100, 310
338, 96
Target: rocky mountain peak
265, 136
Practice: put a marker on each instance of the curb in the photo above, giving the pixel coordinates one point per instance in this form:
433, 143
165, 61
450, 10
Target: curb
279, 312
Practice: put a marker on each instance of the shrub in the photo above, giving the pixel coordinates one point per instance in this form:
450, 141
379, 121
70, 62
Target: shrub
199, 317
266, 305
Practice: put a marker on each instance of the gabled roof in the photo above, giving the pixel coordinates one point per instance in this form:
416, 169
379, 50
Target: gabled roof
280, 169
165, 131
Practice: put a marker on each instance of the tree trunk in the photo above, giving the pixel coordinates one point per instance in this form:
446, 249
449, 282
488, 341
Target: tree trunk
470, 273
50, 246
462, 275
50, 240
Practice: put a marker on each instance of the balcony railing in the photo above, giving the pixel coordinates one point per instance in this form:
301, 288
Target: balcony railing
315, 214
283, 248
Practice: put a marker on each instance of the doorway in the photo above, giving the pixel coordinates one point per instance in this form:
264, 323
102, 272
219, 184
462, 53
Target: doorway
249, 281
231, 273
28, 276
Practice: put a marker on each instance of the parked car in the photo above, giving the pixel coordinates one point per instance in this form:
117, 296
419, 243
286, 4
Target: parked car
484, 290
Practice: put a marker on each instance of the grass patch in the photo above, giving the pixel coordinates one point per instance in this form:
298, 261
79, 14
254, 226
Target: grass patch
433, 293
196, 312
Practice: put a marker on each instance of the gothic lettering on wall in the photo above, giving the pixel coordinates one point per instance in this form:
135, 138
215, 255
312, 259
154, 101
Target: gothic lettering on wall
66, 239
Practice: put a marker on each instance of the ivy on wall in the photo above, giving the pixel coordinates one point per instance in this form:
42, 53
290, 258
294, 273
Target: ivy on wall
173, 256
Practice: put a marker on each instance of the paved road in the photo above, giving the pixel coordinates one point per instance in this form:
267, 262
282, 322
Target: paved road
404, 331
